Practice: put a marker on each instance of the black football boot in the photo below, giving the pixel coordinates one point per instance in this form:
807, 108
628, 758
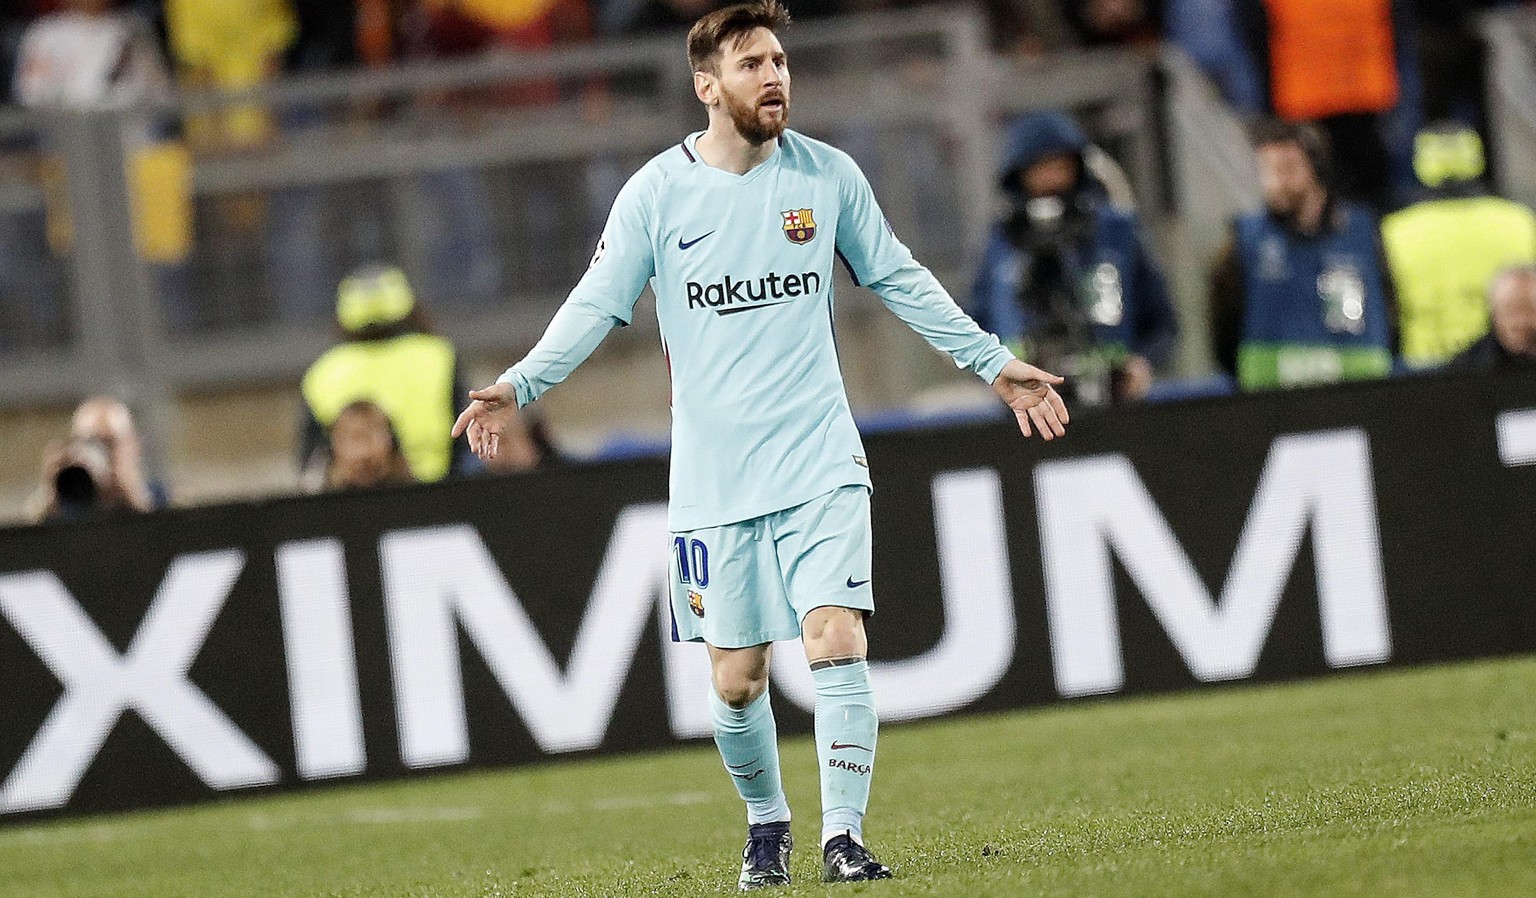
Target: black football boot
765, 859
845, 860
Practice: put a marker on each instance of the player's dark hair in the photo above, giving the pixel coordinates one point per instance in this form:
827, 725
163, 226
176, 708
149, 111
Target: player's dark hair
1312, 140
728, 26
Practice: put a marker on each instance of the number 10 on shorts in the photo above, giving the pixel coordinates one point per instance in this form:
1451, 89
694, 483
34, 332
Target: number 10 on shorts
692, 561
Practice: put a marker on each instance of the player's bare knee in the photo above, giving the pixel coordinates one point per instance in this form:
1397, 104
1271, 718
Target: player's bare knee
834, 634
738, 690
739, 677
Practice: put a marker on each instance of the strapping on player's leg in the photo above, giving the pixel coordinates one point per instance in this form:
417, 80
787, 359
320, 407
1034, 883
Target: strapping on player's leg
835, 662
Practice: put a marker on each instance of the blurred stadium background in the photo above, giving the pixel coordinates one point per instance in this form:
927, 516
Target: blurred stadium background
486, 173
178, 244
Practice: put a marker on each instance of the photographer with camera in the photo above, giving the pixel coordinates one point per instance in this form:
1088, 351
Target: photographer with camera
98, 469
1066, 280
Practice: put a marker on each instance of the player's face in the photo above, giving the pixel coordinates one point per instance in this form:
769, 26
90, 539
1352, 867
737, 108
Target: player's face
1286, 175
754, 86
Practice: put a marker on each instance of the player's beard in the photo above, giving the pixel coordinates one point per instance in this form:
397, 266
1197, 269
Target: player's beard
748, 116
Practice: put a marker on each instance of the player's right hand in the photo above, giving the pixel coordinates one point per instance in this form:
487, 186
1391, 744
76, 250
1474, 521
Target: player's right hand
491, 412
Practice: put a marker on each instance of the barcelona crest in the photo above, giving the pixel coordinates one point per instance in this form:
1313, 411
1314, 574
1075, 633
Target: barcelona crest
799, 225
696, 602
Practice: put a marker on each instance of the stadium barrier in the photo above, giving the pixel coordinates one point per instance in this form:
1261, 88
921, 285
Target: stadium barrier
239, 649
491, 206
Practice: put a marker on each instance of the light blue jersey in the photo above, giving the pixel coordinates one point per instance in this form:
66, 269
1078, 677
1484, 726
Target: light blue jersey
741, 266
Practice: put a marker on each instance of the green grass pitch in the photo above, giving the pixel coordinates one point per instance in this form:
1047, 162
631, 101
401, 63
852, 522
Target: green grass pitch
1405, 783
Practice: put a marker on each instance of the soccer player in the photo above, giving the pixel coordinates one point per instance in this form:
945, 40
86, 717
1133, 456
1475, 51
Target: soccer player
736, 229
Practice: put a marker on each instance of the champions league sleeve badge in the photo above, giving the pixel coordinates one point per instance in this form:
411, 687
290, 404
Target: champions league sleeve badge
1342, 291
799, 225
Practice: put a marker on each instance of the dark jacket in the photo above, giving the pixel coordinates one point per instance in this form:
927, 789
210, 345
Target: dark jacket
1488, 354
1028, 284
1229, 299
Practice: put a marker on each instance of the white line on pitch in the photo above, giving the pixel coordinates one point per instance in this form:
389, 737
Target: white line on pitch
627, 802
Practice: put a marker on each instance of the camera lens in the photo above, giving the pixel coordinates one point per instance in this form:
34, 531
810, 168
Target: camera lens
75, 484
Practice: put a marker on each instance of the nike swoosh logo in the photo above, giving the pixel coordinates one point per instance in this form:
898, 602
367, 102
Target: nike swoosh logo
749, 777
838, 746
681, 244
761, 305
855, 584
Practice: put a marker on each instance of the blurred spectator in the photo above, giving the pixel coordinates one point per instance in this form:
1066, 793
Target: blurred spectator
256, 248
455, 208
32, 284
1352, 67
1451, 55
81, 54
460, 27
333, 34
232, 45
645, 16
1511, 344
15, 16
651, 16
100, 467
315, 233
390, 357
364, 450
1025, 28
1300, 294
88, 54
542, 207
1066, 279
1444, 249
1208, 31
1114, 23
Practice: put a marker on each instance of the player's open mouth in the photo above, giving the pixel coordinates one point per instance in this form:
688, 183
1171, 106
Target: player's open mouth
772, 103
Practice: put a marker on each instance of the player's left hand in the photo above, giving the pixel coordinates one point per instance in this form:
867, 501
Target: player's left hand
1031, 393
492, 413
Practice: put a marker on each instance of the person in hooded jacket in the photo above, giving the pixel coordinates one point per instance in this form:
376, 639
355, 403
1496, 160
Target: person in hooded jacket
1066, 278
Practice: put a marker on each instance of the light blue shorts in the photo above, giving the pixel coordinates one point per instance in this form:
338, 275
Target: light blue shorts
753, 582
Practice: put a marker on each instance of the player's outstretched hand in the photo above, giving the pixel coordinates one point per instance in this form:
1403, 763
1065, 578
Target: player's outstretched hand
1031, 393
492, 413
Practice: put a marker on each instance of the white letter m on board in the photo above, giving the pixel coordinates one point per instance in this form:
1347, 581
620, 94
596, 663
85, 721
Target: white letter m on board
1093, 506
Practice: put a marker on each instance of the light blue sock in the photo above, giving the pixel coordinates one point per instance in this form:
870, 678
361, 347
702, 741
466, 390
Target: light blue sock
846, 728
749, 745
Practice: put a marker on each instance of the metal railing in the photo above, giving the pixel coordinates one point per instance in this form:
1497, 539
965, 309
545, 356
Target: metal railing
487, 179
1216, 177
1511, 84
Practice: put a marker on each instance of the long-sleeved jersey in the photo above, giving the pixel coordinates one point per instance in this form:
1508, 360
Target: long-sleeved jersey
741, 266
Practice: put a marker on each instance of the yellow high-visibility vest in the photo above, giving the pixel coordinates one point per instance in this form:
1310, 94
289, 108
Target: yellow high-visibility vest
1443, 254
410, 377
